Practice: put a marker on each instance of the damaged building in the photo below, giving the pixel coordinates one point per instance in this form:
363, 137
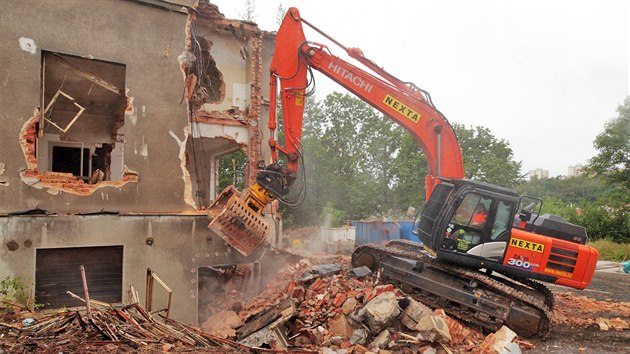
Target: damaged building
116, 116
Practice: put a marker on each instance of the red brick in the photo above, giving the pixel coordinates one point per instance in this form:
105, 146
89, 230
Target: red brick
298, 293
339, 299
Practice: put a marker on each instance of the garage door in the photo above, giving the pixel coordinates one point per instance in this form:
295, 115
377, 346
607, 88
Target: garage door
58, 271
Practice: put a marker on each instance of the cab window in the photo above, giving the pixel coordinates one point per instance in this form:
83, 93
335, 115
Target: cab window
468, 223
502, 220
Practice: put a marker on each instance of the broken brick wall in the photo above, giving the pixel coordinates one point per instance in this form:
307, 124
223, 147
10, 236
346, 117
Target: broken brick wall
223, 71
145, 39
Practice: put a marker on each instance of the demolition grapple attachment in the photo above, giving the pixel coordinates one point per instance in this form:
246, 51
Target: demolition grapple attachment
238, 219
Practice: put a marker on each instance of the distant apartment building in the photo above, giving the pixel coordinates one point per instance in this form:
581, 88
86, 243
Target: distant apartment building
538, 173
574, 171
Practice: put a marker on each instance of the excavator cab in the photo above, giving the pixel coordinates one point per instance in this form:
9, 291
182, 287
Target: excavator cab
483, 226
465, 218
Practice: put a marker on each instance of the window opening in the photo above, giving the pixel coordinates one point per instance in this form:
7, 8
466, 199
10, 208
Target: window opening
83, 117
75, 160
502, 220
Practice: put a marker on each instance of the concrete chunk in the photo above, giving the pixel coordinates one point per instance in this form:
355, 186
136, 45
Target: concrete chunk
325, 270
413, 313
359, 336
501, 342
359, 272
381, 310
433, 329
381, 340
349, 305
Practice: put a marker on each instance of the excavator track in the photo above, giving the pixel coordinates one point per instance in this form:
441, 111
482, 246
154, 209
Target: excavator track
475, 297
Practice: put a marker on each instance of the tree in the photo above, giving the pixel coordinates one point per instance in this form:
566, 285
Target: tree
232, 169
249, 13
364, 164
578, 190
612, 161
486, 157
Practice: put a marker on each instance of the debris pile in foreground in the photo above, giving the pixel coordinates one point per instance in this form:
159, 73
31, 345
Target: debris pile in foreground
332, 308
108, 328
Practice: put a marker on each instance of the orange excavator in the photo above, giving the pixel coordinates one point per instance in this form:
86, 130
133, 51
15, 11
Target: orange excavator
482, 252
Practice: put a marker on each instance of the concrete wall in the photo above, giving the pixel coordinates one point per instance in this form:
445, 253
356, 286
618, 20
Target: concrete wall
180, 245
121, 31
147, 40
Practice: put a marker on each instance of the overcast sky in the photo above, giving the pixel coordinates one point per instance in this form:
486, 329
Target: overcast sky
545, 75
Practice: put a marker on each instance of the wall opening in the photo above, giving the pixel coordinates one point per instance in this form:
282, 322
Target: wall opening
213, 164
211, 86
232, 168
75, 160
57, 270
80, 131
226, 288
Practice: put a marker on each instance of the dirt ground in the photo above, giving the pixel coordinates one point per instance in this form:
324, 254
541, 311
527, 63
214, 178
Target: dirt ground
607, 297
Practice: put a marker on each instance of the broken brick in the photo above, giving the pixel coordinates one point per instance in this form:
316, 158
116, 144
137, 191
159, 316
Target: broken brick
298, 293
339, 300
340, 326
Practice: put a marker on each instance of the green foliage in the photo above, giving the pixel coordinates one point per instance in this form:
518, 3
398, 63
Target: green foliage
588, 202
280, 12
611, 251
612, 161
365, 164
14, 289
604, 222
249, 11
232, 170
574, 190
486, 157
333, 217
599, 201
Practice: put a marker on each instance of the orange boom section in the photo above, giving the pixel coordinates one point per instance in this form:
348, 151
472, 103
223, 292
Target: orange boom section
572, 264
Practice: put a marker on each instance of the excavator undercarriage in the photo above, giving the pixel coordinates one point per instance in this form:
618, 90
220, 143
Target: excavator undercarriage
482, 299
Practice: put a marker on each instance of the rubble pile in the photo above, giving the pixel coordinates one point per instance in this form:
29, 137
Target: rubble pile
103, 327
322, 308
581, 311
333, 309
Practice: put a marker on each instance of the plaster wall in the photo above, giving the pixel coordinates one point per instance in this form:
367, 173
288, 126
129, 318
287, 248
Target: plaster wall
147, 40
144, 38
180, 245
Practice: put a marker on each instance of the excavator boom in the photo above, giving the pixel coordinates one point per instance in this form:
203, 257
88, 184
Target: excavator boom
403, 102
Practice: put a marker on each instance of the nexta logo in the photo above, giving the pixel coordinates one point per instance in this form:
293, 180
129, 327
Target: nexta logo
402, 108
527, 245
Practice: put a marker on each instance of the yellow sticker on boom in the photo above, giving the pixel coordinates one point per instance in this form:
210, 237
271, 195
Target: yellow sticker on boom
299, 99
402, 108
527, 245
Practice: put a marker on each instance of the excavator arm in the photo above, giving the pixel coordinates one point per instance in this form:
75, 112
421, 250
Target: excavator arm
402, 102
238, 218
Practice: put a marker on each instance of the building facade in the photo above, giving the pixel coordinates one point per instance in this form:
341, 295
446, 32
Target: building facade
115, 114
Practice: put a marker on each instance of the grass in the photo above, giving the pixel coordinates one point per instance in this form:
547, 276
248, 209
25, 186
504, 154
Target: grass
611, 251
